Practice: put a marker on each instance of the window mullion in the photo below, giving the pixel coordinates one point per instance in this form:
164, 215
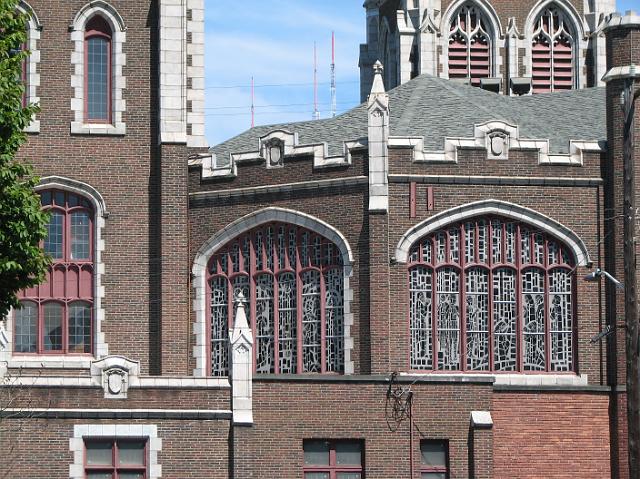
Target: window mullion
299, 312
253, 296
462, 286
547, 316
519, 312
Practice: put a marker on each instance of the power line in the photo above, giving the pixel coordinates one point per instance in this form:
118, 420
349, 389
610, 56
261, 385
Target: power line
238, 107
274, 85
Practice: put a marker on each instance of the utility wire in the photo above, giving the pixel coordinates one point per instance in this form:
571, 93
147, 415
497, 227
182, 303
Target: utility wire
276, 85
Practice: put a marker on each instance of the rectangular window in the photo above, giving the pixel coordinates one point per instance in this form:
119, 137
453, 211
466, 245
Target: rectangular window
434, 459
115, 458
330, 459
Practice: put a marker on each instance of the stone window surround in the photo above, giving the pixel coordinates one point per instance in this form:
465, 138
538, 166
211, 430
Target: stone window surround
33, 61
118, 82
228, 233
496, 34
81, 431
100, 348
580, 29
493, 207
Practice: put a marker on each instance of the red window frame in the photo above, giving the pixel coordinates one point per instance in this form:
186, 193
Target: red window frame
98, 27
442, 469
69, 281
565, 262
221, 266
333, 468
115, 469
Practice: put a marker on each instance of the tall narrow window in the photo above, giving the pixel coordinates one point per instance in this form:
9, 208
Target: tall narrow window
98, 71
553, 52
491, 295
470, 45
434, 462
293, 280
57, 316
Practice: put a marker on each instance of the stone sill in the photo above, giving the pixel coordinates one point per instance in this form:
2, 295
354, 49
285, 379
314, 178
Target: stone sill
98, 129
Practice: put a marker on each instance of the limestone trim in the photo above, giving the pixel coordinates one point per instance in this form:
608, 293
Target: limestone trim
291, 148
483, 138
493, 207
118, 61
101, 348
195, 75
621, 73
497, 33
146, 382
228, 233
82, 431
32, 62
580, 29
630, 19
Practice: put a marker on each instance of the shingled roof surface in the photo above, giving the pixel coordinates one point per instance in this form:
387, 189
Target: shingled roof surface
436, 108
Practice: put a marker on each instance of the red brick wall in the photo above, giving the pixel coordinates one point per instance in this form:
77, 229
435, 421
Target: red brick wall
550, 435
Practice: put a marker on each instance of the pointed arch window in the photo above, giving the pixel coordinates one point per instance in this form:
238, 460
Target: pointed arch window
470, 45
56, 317
553, 52
98, 70
293, 280
491, 294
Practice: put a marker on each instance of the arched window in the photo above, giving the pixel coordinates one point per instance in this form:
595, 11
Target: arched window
553, 52
470, 45
293, 280
56, 316
98, 70
491, 294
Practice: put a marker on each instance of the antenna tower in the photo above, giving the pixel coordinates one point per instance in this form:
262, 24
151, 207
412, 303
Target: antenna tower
253, 108
316, 113
333, 75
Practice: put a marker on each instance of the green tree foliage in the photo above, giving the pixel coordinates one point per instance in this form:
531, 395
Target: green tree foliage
22, 221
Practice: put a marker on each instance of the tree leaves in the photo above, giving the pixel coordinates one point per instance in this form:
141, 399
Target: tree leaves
23, 263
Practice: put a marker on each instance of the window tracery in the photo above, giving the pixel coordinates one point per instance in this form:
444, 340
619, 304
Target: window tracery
470, 45
293, 280
553, 52
491, 294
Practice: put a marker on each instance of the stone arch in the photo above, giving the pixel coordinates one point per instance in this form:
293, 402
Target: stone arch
493, 207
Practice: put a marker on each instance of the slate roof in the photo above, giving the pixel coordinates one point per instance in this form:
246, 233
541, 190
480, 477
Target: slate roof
435, 108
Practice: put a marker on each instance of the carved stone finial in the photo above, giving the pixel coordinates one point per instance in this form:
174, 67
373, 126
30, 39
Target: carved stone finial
378, 68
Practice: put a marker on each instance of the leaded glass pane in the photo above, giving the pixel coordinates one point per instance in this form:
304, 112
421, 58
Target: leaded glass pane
259, 251
533, 319
80, 232
98, 62
265, 349
334, 320
234, 254
317, 251
80, 328
470, 242
496, 241
426, 251
413, 255
311, 322
525, 246
510, 240
52, 340
26, 324
288, 324
560, 320
269, 247
441, 242
304, 249
538, 248
282, 247
421, 291
477, 285
454, 245
448, 320
483, 241
53, 241
219, 326
504, 320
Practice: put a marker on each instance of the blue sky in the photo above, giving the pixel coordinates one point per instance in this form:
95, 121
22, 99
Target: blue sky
272, 40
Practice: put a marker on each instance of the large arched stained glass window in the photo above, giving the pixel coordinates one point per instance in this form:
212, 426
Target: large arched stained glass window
293, 281
553, 52
491, 295
470, 44
56, 317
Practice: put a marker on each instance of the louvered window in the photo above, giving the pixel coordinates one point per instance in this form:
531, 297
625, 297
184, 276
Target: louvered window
470, 46
552, 52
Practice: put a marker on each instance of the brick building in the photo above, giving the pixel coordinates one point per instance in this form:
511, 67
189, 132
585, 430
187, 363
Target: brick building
394, 292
